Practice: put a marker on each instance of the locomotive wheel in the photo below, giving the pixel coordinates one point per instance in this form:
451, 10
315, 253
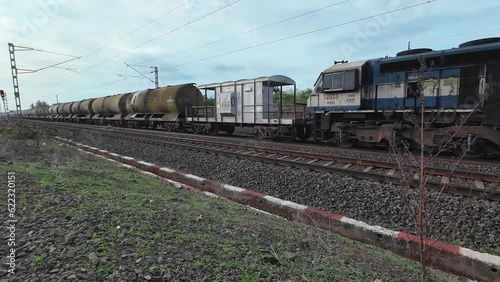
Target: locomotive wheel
346, 144
475, 152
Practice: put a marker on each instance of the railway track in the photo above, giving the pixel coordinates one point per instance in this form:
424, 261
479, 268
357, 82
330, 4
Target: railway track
467, 183
489, 161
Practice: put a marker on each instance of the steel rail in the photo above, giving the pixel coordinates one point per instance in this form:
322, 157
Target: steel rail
220, 149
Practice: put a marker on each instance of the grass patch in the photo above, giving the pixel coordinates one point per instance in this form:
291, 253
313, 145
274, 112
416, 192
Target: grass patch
135, 221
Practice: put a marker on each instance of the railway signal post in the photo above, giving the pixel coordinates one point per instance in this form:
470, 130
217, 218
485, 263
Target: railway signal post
3, 95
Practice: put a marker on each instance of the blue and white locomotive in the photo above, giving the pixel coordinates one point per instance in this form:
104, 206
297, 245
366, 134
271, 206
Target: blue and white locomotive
369, 102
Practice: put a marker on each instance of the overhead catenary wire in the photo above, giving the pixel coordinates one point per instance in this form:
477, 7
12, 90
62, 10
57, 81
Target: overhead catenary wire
24, 48
299, 35
149, 41
249, 31
302, 34
105, 84
456, 35
139, 28
130, 33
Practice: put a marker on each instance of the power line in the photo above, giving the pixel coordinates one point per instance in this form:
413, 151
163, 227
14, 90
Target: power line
105, 84
249, 31
301, 34
24, 48
457, 35
149, 41
128, 34
139, 28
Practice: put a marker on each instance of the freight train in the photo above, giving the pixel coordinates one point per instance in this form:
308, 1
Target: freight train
243, 104
366, 103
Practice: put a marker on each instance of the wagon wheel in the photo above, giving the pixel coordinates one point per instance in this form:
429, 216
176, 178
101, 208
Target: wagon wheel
292, 137
179, 127
303, 133
275, 134
230, 130
196, 129
169, 127
258, 135
214, 128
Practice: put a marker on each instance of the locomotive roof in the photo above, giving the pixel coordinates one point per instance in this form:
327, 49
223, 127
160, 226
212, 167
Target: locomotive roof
446, 52
345, 66
431, 54
274, 80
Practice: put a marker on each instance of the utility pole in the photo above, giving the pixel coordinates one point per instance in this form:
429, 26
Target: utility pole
15, 82
156, 77
15, 70
155, 71
57, 99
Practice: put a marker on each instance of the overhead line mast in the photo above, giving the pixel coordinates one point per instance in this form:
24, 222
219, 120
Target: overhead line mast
15, 70
15, 82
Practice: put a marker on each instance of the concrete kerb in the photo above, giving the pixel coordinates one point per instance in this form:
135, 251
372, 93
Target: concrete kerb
454, 259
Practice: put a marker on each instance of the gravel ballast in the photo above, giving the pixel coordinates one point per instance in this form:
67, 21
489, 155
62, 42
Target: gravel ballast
456, 219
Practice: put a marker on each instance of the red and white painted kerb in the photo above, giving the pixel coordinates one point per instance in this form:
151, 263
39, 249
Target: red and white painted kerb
450, 258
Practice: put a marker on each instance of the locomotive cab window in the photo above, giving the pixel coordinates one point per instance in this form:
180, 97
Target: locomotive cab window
339, 81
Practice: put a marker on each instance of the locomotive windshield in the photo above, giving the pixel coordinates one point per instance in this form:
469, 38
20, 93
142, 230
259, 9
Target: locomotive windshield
337, 81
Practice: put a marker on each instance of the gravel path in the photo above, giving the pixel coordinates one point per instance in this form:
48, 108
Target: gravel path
474, 224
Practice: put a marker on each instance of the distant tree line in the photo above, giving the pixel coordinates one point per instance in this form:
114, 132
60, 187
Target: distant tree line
301, 97
38, 104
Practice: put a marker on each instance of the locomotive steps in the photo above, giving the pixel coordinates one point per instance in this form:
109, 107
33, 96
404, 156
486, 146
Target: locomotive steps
447, 257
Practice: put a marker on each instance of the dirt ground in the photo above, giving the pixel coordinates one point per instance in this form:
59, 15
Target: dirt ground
81, 218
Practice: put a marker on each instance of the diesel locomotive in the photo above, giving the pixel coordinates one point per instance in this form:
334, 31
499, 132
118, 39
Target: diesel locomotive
371, 102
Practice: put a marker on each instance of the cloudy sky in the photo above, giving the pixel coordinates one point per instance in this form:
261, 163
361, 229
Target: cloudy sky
206, 41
